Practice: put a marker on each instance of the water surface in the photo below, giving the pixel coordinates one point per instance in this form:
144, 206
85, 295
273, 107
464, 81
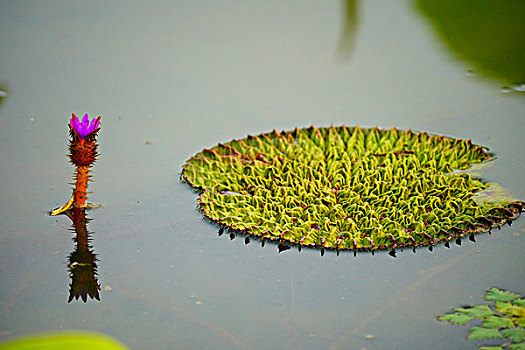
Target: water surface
172, 78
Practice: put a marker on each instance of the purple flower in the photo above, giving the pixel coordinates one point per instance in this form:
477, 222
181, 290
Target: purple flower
84, 127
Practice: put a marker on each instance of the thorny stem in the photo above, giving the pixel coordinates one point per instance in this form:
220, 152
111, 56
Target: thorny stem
79, 193
79, 196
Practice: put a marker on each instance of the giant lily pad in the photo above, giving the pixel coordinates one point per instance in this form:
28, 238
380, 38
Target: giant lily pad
347, 188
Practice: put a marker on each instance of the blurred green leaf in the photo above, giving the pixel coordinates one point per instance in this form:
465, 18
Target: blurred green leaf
506, 322
495, 294
497, 322
503, 307
77, 340
484, 333
520, 346
455, 318
476, 311
514, 334
514, 311
491, 348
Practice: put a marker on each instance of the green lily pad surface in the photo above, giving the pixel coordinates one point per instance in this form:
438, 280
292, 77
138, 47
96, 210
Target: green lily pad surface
505, 319
347, 188
63, 340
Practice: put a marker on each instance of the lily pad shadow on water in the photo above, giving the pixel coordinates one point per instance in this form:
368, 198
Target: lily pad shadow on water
488, 35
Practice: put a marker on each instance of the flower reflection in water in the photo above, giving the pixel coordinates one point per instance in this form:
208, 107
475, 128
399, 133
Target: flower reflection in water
82, 261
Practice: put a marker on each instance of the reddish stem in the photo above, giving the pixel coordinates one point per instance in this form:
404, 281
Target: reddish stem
79, 193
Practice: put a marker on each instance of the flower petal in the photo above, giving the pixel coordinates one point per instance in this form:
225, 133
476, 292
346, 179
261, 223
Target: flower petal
93, 125
74, 121
97, 123
84, 127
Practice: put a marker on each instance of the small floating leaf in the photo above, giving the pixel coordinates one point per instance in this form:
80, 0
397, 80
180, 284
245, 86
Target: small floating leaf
507, 321
484, 333
497, 322
455, 318
495, 294
476, 311
514, 334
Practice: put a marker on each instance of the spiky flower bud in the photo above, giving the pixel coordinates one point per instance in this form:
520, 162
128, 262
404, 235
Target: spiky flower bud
84, 128
83, 146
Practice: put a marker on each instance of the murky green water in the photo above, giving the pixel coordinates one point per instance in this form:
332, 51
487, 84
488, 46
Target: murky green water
172, 78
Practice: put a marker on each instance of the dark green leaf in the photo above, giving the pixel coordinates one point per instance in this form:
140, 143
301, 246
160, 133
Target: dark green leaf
484, 333
495, 294
514, 334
